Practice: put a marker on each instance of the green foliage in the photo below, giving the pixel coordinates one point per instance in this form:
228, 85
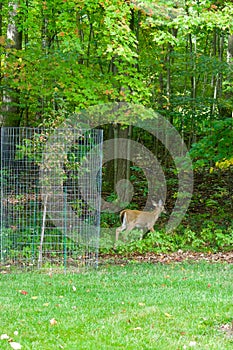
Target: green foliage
157, 242
207, 226
211, 238
169, 57
77, 54
216, 148
23, 245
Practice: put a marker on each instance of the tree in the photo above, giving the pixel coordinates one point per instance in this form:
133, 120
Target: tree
69, 55
10, 105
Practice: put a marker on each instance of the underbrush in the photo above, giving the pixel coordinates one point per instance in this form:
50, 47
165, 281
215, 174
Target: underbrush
211, 238
207, 226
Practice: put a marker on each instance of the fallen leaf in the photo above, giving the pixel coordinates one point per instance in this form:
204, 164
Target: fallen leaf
228, 329
15, 346
24, 292
34, 298
74, 288
141, 304
176, 256
4, 336
192, 343
137, 329
53, 321
167, 315
46, 304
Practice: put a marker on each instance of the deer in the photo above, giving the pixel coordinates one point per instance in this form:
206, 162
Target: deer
139, 219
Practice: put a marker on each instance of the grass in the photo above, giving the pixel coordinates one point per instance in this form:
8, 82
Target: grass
137, 306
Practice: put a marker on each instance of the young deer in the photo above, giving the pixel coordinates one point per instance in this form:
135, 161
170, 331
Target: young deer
140, 219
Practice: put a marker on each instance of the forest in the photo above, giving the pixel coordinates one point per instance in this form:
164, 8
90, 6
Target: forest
171, 59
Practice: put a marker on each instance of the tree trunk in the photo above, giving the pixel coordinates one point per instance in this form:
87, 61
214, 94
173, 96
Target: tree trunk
109, 175
122, 165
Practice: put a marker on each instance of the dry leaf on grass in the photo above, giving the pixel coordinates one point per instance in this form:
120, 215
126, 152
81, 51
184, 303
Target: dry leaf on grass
227, 329
4, 336
24, 292
15, 346
137, 329
53, 321
190, 345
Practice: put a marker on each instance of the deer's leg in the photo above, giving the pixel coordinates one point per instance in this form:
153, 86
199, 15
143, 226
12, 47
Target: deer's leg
121, 228
141, 234
118, 230
130, 227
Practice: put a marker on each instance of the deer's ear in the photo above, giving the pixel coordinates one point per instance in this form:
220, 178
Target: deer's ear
160, 202
154, 203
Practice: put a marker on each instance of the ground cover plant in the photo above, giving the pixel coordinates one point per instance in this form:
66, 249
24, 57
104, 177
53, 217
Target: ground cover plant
126, 306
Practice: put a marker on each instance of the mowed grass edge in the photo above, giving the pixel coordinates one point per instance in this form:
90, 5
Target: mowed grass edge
135, 306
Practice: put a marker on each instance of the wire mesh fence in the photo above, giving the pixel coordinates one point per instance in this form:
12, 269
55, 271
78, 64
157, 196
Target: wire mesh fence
50, 197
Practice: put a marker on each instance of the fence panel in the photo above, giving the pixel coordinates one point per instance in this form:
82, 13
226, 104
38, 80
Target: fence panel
50, 196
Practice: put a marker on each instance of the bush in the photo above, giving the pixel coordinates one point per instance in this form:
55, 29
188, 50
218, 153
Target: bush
210, 238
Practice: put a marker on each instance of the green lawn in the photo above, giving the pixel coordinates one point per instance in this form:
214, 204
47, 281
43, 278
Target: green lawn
137, 306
